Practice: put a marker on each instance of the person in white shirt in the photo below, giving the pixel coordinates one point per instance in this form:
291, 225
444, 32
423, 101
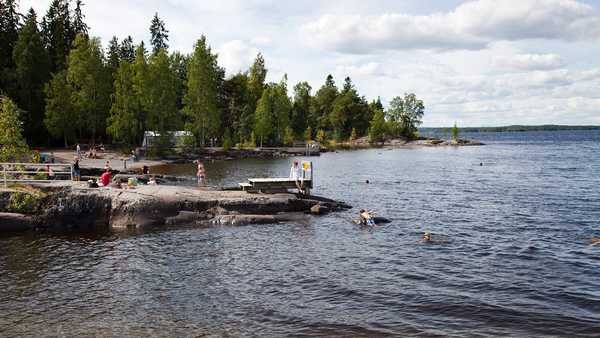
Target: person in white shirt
296, 175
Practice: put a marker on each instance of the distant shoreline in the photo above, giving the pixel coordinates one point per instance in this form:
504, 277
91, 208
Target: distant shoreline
513, 128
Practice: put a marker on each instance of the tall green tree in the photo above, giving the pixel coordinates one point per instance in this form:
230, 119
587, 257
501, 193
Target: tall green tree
349, 111
301, 109
113, 56
377, 127
282, 106
160, 94
9, 28
405, 115
141, 82
12, 143
58, 34
237, 113
322, 105
32, 72
91, 84
59, 112
263, 117
78, 25
159, 35
271, 118
124, 123
414, 110
127, 50
179, 65
205, 79
256, 80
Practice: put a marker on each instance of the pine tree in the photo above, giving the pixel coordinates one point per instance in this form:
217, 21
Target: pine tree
322, 104
78, 25
14, 147
113, 55
60, 115
9, 27
58, 36
32, 71
204, 81
127, 50
301, 108
159, 34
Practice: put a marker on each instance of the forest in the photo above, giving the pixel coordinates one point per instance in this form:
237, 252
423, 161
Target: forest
62, 86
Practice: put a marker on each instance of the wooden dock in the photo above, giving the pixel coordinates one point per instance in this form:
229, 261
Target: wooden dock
281, 184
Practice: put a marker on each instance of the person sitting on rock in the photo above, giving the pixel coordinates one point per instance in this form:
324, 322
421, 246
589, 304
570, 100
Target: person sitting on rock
366, 217
105, 178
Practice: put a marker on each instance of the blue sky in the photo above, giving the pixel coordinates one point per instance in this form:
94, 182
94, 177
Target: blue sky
477, 63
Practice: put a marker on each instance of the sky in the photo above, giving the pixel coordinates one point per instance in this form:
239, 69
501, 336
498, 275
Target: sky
474, 63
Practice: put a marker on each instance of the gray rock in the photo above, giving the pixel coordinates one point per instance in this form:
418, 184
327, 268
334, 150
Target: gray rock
319, 209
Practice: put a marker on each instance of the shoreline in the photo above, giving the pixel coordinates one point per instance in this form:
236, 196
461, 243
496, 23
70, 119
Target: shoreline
123, 163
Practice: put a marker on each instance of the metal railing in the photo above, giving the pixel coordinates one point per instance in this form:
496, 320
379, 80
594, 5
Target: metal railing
26, 172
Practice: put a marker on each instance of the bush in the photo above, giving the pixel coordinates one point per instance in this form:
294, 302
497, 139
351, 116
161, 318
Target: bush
24, 202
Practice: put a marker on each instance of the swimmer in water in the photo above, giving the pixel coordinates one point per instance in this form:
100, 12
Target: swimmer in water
595, 241
366, 217
426, 237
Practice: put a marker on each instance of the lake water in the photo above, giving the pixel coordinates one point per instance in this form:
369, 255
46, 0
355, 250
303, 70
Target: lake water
516, 260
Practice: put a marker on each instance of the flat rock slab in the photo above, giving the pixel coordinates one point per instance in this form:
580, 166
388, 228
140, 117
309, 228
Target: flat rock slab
161, 205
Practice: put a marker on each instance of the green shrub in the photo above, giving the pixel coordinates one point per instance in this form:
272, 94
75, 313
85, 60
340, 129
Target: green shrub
24, 202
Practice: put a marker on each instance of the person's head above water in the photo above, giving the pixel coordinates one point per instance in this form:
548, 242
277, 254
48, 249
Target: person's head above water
426, 236
295, 163
362, 210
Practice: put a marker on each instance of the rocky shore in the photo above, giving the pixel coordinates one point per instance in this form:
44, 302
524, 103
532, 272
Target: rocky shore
68, 205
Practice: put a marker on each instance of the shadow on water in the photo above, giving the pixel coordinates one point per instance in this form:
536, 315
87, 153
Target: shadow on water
517, 261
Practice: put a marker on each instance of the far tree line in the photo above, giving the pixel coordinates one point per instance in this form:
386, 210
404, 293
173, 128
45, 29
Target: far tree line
68, 88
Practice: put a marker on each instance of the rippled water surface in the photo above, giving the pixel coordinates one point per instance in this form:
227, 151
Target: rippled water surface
516, 260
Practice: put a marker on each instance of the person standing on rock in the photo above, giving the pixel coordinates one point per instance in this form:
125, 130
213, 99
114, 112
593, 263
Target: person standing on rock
296, 175
78, 150
76, 171
200, 174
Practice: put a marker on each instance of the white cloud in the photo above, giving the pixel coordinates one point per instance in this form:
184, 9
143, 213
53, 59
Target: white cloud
368, 69
530, 61
236, 56
262, 40
472, 25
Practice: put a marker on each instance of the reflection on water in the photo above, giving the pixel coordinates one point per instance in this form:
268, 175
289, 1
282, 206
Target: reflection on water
517, 262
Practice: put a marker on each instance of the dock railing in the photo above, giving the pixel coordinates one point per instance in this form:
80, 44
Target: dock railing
34, 172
